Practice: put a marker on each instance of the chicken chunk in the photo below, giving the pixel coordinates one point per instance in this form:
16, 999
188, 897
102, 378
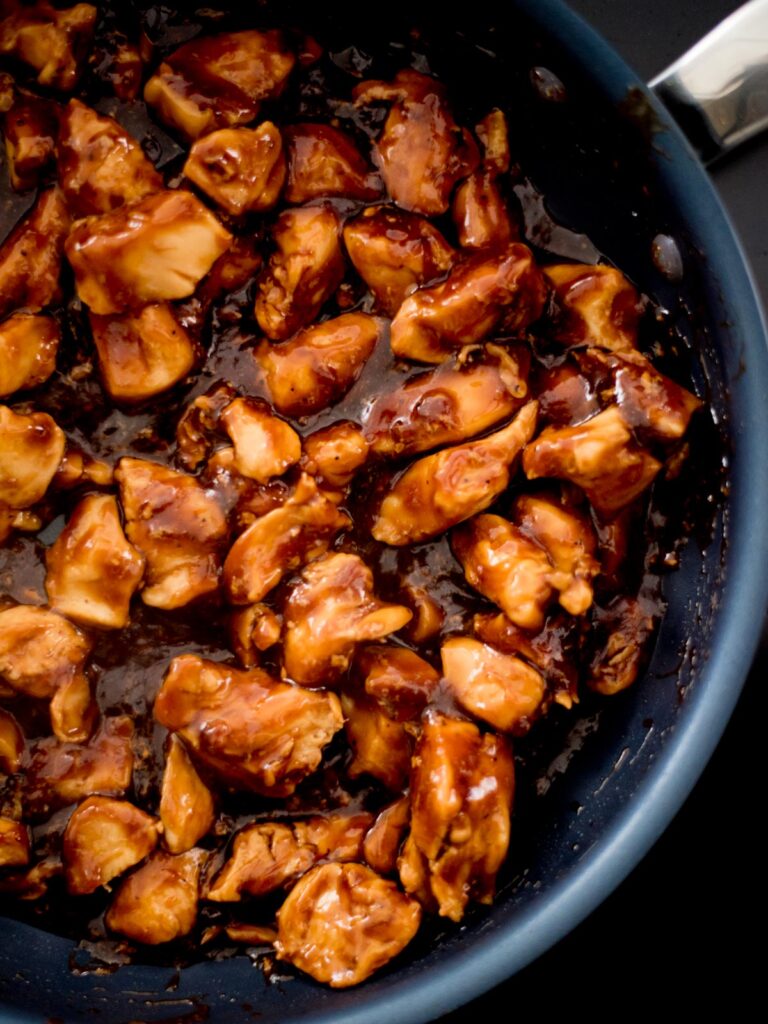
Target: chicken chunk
11, 743
30, 258
251, 630
596, 305
39, 650
320, 364
219, 81
186, 803
14, 844
265, 446
565, 396
444, 489
101, 166
245, 726
342, 922
157, 249
242, 169
452, 403
384, 838
269, 856
197, 426
29, 128
31, 448
381, 745
93, 572
399, 680
158, 902
599, 456
324, 161
395, 253
332, 609
481, 292
479, 210
334, 454
177, 525
73, 710
103, 838
304, 271
51, 41
627, 624
421, 152
428, 616
461, 798
28, 347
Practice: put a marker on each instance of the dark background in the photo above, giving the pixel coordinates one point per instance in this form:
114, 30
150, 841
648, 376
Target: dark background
686, 927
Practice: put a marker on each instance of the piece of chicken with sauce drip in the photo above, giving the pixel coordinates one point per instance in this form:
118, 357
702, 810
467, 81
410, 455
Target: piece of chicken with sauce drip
54, 42
480, 212
28, 347
325, 161
30, 258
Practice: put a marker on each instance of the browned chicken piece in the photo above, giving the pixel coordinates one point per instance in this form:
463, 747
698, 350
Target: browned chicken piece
11, 743
242, 169
500, 689
142, 354
384, 838
455, 402
480, 292
28, 347
599, 456
157, 249
51, 41
324, 161
446, 488
334, 454
31, 448
596, 305
76, 468
397, 678
14, 844
186, 803
177, 525
480, 212
101, 166
197, 426
251, 630
421, 152
494, 136
219, 81
395, 253
428, 616
280, 541
342, 922
245, 499
332, 609
60, 773
304, 271
39, 650
627, 623
29, 128
103, 838
461, 797
267, 856
250, 729
320, 364
565, 396
381, 745
73, 710
265, 445
93, 572
158, 902
30, 258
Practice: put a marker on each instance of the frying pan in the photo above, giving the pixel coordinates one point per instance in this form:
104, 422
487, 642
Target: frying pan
612, 164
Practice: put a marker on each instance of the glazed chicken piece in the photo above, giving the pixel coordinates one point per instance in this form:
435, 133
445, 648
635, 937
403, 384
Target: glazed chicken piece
456, 401
444, 489
29, 128
219, 81
481, 292
500, 689
324, 161
158, 902
565, 396
421, 152
461, 798
428, 616
381, 745
342, 922
53, 42
320, 364
93, 572
101, 166
142, 354
596, 305
28, 347
395, 253
186, 803
267, 856
11, 743
304, 271
242, 169
157, 249
177, 525
14, 844
252, 630
332, 609
479, 210
103, 838
334, 454
30, 258
397, 679
39, 650
197, 426
31, 448
265, 445
599, 456
78, 468
384, 838
280, 541
243, 499
73, 710
627, 623
251, 730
